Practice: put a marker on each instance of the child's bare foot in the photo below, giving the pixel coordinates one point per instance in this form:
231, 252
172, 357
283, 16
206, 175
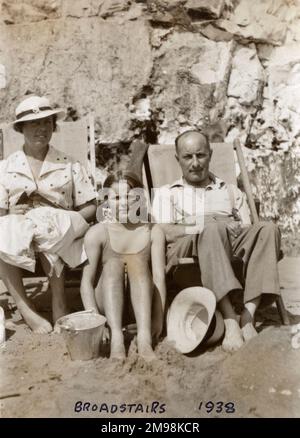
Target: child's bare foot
233, 339
117, 352
35, 321
145, 349
117, 347
147, 353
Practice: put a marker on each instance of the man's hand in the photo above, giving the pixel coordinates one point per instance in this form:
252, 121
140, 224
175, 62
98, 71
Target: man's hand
176, 231
19, 209
194, 229
235, 228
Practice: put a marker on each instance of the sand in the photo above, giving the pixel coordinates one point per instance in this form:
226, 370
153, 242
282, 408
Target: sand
262, 379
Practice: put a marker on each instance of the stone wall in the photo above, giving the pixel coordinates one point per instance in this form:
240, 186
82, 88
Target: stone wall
153, 68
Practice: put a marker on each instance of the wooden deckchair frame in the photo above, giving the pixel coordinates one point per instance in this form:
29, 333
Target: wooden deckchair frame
247, 188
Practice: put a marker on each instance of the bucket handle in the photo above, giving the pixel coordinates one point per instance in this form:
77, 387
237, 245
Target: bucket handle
87, 311
83, 312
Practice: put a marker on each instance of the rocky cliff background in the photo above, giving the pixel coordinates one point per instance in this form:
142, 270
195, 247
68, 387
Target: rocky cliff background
152, 68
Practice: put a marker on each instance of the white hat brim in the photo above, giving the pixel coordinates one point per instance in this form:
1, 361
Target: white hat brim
189, 317
59, 112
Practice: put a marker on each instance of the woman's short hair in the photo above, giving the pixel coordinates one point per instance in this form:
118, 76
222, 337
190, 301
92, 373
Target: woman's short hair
19, 126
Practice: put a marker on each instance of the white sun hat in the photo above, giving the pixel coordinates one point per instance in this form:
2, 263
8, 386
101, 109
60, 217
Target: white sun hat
36, 107
189, 318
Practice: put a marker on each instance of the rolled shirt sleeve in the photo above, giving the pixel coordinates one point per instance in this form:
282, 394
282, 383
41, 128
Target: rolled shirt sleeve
83, 190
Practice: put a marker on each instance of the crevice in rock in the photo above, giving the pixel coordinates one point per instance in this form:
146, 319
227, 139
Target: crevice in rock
157, 24
78, 17
72, 114
43, 66
200, 15
146, 129
112, 155
146, 91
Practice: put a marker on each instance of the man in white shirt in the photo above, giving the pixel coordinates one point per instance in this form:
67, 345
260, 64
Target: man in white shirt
205, 218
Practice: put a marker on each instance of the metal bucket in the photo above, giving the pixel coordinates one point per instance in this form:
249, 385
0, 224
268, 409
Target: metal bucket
82, 332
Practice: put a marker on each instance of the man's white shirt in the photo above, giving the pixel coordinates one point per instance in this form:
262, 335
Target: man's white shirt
181, 203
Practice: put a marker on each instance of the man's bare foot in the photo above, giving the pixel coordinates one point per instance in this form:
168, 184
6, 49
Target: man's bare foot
233, 339
249, 331
247, 325
145, 349
117, 347
35, 321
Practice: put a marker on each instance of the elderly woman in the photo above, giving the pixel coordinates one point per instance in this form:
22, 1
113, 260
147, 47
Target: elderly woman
46, 201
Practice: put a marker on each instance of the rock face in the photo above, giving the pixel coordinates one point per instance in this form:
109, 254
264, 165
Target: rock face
2, 77
261, 20
190, 77
152, 68
86, 64
16, 11
246, 84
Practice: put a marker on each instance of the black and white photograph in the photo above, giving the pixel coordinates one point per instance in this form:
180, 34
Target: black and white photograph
149, 211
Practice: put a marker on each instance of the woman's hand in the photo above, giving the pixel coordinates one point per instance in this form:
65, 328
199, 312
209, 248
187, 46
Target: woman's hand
19, 209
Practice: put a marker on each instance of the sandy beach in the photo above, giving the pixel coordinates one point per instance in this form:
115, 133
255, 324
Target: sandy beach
262, 379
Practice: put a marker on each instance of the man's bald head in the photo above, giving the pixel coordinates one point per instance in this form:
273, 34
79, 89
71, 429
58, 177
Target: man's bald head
191, 133
193, 154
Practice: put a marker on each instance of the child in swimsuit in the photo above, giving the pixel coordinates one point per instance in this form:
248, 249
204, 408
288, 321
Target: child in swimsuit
125, 241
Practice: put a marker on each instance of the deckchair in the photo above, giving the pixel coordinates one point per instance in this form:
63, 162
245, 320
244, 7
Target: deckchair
161, 167
76, 139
